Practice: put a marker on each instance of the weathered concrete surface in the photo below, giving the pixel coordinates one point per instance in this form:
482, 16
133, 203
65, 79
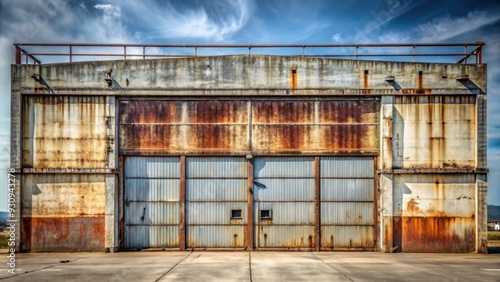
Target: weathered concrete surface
255, 266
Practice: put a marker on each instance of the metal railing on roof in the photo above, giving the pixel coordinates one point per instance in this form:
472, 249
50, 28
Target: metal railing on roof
357, 51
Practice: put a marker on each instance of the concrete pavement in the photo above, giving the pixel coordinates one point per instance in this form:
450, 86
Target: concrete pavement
252, 266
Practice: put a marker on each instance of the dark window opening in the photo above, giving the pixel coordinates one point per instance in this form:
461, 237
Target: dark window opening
235, 214
265, 214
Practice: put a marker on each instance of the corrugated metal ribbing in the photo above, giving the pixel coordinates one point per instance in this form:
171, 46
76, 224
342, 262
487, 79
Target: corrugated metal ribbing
152, 189
347, 213
350, 167
151, 236
269, 236
215, 187
347, 202
152, 167
152, 207
148, 213
206, 213
276, 167
284, 189
347, 189
347, 236
287, 212
216, 236
216, 167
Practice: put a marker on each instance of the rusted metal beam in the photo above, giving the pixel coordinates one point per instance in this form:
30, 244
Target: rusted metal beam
182, 224
317, 205
250, 208
121, 199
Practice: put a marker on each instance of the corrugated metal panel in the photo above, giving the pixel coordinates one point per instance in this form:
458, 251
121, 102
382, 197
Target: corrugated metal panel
148, 213
347, 237
347, 189
434, 213
216, 189
350, 167
434, 132
286, 212
284, 189
285, 186
183, 125
151, 237
347, 201
63, 212
64, 132
346, 213
152, 167
206, 213
216, 167
277, 167
152, 189
152, 207
269, 236
216, 236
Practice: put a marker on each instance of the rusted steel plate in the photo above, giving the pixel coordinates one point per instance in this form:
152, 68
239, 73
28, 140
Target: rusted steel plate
63, 212
435, 234
347, 237
213, 236
315, 125
434, 213
434, 132
183, 125
64, 132
63, 234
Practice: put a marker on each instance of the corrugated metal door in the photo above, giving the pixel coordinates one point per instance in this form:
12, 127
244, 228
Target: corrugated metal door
284, 202
216, 194
347, 202
152, 208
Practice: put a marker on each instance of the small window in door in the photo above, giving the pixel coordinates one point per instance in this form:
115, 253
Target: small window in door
266, 214
236, 214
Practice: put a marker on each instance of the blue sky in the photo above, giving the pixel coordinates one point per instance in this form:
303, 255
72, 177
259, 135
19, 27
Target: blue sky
254, 21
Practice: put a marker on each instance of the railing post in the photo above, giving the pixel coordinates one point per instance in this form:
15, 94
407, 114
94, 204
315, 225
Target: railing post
479, 55
143, 52
125, 53
465, 47
70, 53
18, 55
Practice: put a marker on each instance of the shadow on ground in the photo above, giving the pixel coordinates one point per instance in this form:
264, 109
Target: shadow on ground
493, 250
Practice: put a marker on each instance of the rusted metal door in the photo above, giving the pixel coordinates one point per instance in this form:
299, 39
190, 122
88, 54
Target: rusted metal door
284, 202
152, 207
216, 194
347, 203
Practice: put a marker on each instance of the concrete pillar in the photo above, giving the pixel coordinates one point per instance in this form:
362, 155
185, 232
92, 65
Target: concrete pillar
481, 213
386, 178
111, 211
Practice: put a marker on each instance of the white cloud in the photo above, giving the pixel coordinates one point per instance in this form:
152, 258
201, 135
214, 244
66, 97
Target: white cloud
110, 11
444, 28
225, 18
337, 37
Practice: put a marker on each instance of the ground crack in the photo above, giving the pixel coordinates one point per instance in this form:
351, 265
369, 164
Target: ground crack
331, 266
173, 267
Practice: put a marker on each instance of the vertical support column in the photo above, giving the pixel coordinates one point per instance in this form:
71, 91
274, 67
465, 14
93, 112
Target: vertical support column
182, 223
481, 179
250, 207
111, 224
317, 203
121, 189
18, 55
481, 213
386, 164
16, 149
111, 209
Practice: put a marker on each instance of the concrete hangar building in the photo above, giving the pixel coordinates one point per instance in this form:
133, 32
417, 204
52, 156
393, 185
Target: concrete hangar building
250, 151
